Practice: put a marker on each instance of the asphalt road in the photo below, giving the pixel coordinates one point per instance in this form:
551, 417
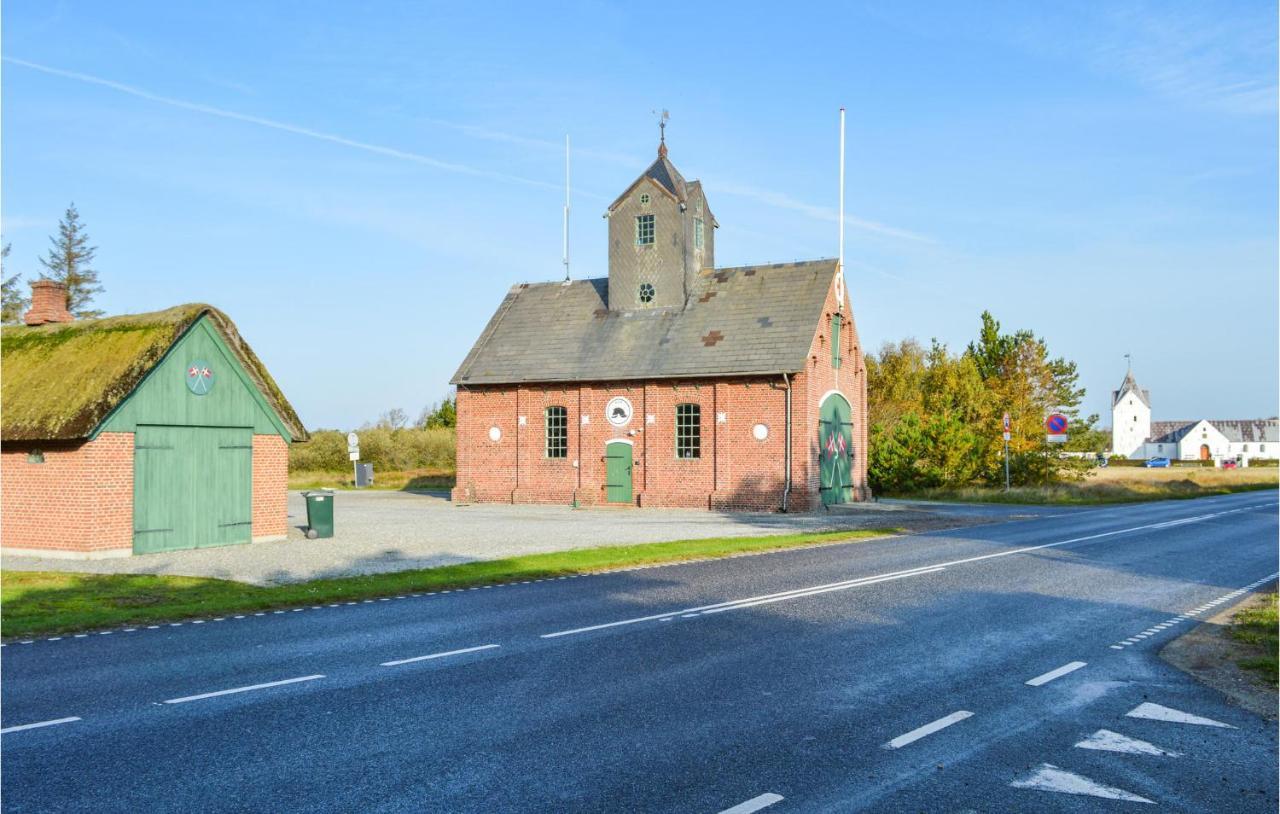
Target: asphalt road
1005, 667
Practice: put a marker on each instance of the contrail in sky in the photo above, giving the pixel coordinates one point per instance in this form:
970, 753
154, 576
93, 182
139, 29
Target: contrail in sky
776, 200
377, 149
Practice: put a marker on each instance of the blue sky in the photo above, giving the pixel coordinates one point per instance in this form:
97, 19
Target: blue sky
357, 185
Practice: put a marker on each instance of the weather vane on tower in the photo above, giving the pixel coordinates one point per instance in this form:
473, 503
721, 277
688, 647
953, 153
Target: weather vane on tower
662, 130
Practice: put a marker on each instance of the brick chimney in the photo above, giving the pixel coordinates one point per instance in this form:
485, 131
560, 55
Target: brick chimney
48, 303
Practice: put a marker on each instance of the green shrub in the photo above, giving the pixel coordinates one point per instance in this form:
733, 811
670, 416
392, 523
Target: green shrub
388, 450
1271, 462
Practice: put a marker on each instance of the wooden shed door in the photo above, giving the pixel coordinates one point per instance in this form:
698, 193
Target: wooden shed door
617, 472
835, 450
193, 487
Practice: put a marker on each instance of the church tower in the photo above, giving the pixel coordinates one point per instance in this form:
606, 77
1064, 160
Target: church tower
661, 235
1130, 417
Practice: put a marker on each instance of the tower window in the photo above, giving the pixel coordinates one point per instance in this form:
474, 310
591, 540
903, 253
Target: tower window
835, 340
557, 432
646, 292
644, 230
697, 233
688, 431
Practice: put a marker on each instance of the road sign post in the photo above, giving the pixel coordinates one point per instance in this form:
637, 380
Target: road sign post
353, 452
1006, 451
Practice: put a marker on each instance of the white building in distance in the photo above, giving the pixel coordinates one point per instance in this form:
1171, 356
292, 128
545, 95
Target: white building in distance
1135, 435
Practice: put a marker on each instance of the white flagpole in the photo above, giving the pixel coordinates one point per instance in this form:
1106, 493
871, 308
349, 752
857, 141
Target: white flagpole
566, 207
840, 262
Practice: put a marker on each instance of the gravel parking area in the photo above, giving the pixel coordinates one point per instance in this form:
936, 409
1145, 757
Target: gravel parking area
395, 531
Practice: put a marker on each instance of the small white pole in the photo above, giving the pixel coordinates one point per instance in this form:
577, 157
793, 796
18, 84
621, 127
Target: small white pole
566, 207
840, 264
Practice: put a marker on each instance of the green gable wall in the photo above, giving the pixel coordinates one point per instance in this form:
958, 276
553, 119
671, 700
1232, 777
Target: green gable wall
163, 397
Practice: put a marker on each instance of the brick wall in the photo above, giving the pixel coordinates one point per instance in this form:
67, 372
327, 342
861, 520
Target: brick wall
735, 470
818, 379
79, 500
270, 487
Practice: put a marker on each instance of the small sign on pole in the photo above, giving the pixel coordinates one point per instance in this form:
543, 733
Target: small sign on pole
1056, 427
355, 456
353, 452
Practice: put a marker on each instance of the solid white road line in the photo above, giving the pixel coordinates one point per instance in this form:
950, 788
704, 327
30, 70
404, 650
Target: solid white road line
1107, 741
1070, 667
204, 695
21, 727
730, 604
755, 804
440, 655
1050, 778
835, 586
928, 729
1155, 712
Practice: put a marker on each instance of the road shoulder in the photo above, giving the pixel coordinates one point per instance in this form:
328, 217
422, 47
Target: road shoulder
1210, 654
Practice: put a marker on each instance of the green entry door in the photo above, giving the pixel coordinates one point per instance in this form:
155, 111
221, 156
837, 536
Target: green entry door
617, 471
835, 450
192, 487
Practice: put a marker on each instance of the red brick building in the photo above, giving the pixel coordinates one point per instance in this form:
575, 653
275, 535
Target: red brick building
138, 433
670, 382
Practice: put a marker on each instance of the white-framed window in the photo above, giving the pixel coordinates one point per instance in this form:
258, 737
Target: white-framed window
1246, 448
557, 420
688, 431
644, 230
697, 233
1262, 447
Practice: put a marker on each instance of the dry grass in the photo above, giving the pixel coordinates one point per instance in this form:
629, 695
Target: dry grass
1124, 485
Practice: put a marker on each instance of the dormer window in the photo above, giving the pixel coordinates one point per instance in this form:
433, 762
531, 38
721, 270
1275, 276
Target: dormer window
644, 230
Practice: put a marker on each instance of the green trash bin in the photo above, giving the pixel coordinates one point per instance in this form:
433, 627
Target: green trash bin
319, 513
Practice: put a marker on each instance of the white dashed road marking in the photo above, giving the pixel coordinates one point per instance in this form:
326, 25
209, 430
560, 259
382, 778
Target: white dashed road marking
1107, 741
755, 804
1155, 712
235, 690
39, 725
928, 729
1041, 680
1050, 778
440, 655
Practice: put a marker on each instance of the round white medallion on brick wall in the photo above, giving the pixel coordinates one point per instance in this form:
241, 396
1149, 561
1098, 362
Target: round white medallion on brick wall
495, 434
760, 432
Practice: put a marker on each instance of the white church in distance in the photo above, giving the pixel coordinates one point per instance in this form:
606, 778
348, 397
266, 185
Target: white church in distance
1135, 435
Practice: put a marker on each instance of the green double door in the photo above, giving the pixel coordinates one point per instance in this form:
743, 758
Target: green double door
617, 472
835, 450
192, 487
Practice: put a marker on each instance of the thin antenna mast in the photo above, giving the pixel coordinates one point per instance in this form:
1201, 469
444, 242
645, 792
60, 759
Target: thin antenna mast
840, 262
566, 207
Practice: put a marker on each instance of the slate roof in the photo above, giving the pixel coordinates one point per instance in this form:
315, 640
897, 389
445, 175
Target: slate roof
665, 174
1236, 431
1128, 384
745, 320
62, 379
1169, 432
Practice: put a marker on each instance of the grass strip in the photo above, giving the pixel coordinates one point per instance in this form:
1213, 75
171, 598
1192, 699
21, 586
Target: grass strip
1090, 494
1260, 628
42, 603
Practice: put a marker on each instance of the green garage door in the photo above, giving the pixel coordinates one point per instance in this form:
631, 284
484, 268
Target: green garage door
192, 487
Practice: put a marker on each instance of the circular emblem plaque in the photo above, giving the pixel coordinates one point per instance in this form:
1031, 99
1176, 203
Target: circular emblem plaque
618, 411
199, 377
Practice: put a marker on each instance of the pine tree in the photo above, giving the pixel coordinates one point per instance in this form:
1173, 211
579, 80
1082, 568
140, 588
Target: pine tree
13, 304
69, 262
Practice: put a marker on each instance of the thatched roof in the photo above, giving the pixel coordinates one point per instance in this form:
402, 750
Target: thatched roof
59, 381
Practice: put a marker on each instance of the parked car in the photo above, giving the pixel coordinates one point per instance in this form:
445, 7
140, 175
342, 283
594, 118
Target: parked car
1100, 460
1229, 464
1154, 463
